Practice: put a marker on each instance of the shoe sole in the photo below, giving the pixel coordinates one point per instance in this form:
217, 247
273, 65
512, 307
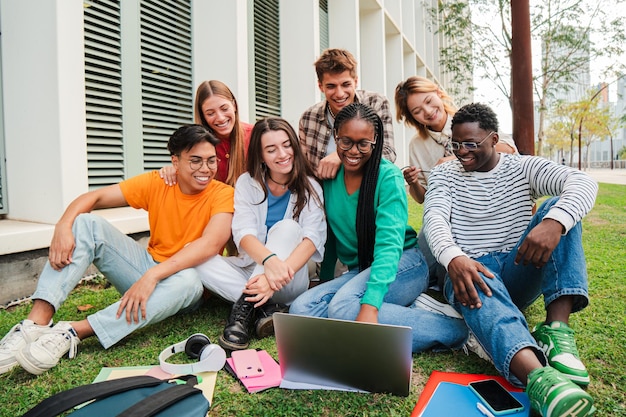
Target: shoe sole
29, 366
265, 328
578, 380
230, 345
7, 368
581, 408
581, 380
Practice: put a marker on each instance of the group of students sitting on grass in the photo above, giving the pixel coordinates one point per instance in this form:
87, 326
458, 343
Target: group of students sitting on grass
279, 201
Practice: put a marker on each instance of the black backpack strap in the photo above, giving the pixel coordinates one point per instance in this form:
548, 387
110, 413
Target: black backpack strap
159, 401
65, 400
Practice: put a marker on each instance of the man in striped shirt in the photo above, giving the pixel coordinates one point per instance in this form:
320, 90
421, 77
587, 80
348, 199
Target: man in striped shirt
499, 257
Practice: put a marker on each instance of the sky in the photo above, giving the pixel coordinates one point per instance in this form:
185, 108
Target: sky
487, 93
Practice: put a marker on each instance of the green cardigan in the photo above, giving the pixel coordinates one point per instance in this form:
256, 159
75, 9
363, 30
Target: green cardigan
393, 234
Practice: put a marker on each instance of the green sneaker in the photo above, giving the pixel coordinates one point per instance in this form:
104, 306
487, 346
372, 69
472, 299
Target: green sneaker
557, 341
552, 394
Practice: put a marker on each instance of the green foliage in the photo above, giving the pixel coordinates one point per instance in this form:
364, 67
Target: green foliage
622, 152
588, 119
565, 29
600, 334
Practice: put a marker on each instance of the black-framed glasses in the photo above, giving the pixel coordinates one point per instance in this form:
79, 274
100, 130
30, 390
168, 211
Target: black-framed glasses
363, 146
196, 163
469, 146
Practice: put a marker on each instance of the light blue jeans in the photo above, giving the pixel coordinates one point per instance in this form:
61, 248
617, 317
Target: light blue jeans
499, 324
122, 261
227, 276
340, 298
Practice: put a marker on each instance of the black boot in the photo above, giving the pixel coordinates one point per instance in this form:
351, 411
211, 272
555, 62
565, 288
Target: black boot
236, 333
265, 323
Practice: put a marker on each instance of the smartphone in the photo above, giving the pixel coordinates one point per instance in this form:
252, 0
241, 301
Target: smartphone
247, 363
495, 397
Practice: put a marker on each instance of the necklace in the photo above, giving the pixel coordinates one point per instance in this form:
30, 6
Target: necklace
330, 111
276, 182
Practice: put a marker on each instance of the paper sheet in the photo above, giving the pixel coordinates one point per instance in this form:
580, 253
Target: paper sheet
207, 385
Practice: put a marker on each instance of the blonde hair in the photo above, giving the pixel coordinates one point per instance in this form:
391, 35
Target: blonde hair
414, 85
237, 160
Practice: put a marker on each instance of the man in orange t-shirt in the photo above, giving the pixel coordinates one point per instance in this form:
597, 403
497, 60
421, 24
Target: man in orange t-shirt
189, 223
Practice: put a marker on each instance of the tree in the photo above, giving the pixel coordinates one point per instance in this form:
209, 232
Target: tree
595, 128
589, 117
562, 131
558, 139
566, 29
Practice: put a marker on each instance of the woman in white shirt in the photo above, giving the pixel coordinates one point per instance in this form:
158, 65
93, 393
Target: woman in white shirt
278, 225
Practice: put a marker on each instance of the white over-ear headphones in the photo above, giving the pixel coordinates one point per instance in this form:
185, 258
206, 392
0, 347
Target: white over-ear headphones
211, 357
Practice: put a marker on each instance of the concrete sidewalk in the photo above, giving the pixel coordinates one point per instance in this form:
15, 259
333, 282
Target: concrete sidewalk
610, 176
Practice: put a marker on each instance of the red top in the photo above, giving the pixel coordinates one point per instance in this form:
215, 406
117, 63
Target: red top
223, 152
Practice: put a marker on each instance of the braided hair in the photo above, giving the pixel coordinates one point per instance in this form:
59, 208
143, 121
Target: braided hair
365, 216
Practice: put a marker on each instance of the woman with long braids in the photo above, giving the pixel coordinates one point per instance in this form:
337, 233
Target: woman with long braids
366, 209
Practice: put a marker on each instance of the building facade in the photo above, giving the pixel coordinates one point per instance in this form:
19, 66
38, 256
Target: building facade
92, 89
604, 153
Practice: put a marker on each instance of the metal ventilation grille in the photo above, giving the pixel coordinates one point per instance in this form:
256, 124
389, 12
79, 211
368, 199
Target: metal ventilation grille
266, 58
103, 82
166, 75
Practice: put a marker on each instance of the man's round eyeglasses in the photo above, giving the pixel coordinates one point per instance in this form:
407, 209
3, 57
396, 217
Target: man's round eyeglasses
196, 163
363, 146
469, 146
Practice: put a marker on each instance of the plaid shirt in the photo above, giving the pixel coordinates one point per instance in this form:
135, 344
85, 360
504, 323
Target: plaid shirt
314, 129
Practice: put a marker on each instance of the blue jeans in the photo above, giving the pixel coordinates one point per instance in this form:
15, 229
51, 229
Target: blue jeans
436, 271
499, 324
122, 261
340, 298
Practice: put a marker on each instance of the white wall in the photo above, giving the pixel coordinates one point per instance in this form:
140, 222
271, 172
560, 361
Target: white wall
44, 106
44, 92
300, 48
220, 47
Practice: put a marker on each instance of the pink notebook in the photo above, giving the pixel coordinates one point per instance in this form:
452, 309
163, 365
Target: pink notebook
271, 377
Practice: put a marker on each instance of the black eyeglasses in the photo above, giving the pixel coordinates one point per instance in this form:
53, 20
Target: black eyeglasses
196, 163
363, 146
469, 146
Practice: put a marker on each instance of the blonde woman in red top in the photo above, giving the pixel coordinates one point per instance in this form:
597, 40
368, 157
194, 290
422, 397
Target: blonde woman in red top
216, 109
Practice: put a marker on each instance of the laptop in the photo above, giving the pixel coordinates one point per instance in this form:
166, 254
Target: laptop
322, 353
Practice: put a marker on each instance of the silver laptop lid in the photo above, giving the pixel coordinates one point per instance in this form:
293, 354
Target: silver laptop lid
326, 353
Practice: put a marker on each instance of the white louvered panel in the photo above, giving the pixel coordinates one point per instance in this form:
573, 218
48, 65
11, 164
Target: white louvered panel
166, 75
324, 32
267, 58
103, 80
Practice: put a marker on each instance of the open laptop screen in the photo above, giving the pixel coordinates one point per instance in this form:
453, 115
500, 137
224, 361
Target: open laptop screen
321, 353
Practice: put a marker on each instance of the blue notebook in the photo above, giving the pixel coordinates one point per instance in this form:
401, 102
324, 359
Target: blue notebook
451, 399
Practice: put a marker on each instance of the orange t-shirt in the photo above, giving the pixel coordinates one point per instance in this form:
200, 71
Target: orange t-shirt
176, 219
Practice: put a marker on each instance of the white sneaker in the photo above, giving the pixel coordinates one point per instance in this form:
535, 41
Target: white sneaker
473, 345
19, 336
43, 354
426, 302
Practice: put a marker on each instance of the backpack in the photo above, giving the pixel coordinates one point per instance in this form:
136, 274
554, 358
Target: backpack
136, 396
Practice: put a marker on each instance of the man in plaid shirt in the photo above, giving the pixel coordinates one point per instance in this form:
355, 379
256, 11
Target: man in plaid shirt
337, 79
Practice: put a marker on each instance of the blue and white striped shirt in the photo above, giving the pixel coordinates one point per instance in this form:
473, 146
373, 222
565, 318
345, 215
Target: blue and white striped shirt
476, 213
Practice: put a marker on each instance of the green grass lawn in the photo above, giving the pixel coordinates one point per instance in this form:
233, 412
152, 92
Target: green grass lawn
600, 333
